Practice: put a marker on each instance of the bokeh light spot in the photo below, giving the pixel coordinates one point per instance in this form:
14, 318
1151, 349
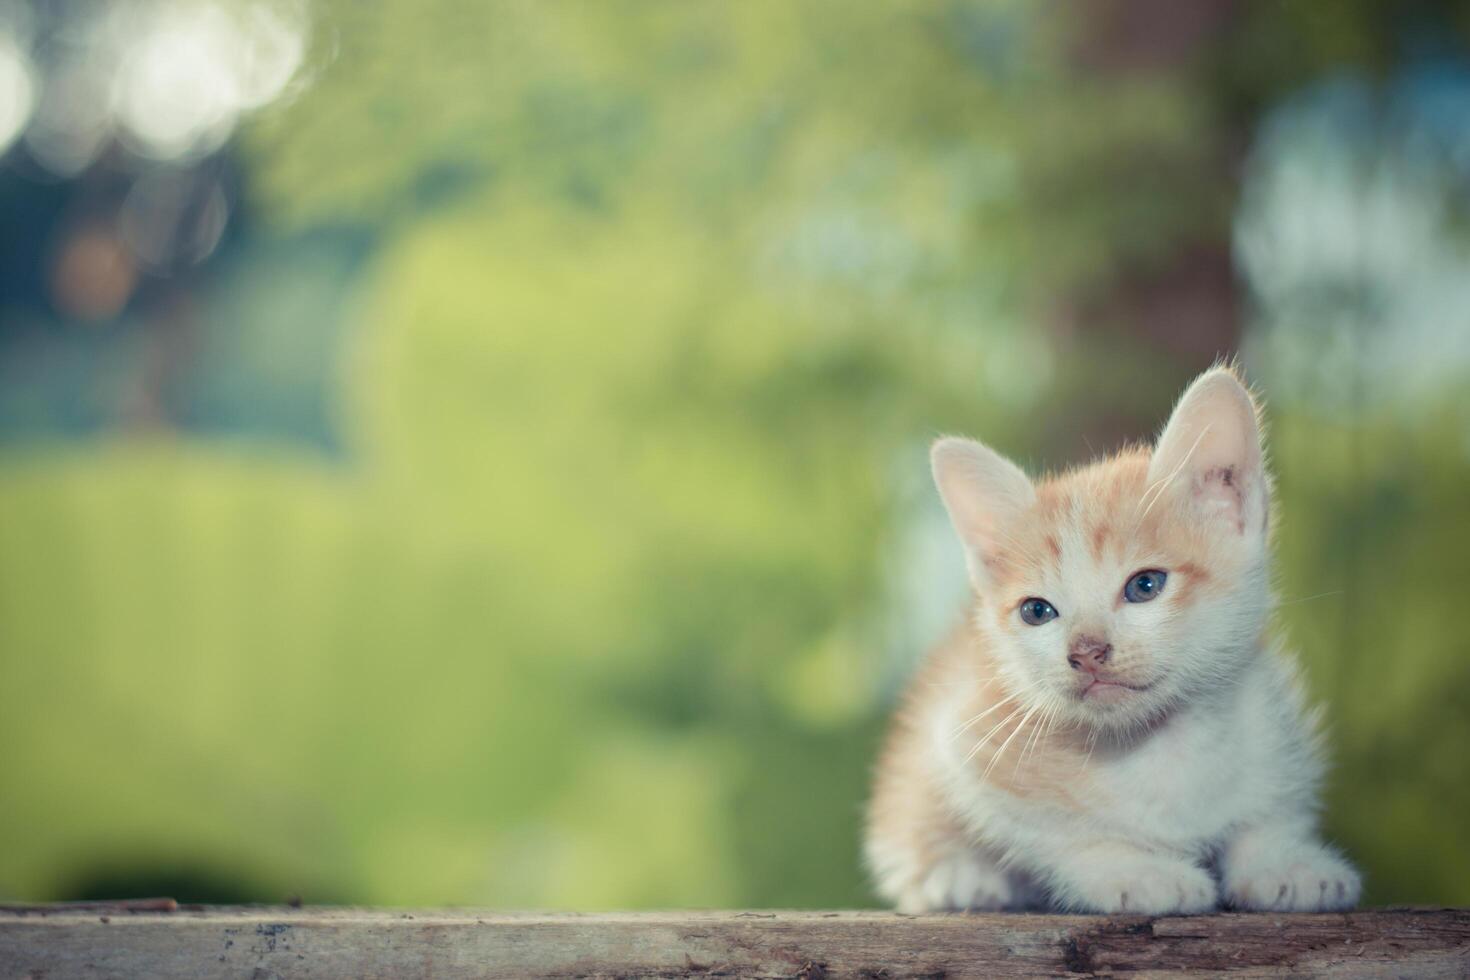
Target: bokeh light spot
17, 91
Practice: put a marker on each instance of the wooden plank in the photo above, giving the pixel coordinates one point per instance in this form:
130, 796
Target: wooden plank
266, 942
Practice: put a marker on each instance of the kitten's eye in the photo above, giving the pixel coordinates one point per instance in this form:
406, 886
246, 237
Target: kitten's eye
1145, 585
1037, 611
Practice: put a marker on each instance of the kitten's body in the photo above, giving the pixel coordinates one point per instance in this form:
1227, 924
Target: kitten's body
1164, 764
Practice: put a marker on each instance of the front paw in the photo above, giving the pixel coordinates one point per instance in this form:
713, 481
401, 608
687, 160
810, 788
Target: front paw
961, 881
1148, 886
1312, 879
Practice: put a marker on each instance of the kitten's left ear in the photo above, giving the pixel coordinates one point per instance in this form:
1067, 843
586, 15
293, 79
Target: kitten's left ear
1209, 456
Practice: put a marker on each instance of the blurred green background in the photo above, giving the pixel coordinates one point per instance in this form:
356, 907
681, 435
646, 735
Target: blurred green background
460, 453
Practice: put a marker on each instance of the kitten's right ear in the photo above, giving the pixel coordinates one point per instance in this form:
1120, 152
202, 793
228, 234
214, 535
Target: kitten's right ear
982, 490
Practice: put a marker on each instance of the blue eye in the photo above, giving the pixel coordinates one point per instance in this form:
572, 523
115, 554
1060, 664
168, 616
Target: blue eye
1145, 585
1037, 611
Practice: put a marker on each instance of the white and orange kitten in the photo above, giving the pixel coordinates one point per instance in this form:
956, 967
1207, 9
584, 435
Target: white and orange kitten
1113, 730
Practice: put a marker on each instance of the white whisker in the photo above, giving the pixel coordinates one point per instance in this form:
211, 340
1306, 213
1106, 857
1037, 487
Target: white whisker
1042, 723
988, 711
1009, 738
1320, 595
991, 734
1091, 744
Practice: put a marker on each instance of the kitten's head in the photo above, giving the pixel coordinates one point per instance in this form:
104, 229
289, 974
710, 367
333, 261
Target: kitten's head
1117, 592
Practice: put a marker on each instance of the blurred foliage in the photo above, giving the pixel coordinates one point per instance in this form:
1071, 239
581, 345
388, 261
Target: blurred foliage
732, 115
662, 303
1370, 549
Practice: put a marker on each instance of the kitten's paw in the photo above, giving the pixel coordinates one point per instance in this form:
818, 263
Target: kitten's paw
962, 881
1153, 886
1310, 879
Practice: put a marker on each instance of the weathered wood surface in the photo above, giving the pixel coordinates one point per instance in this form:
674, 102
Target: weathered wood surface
267, 942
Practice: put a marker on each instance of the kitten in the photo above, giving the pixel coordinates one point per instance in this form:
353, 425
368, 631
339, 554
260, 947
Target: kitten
1114, 730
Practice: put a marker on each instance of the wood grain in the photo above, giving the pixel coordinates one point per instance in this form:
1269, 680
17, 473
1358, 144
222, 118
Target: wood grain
267, 942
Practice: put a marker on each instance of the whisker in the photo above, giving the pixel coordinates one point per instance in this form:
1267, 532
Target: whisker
1091, 744
1057, 720
988, 711
1051, 723
1010, 738
1043, 728
1042, 723
996, 728
991, 734
1320, 595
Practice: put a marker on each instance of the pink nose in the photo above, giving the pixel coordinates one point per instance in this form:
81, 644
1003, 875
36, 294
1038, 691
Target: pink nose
1088, 653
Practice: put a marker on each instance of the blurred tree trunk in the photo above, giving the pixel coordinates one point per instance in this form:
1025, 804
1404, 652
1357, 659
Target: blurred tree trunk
1130, 342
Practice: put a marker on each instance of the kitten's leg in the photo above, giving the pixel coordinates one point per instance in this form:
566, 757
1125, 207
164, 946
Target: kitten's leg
1286, 869
1113, 876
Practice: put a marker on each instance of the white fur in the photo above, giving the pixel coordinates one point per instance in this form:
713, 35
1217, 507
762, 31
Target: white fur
1228, 780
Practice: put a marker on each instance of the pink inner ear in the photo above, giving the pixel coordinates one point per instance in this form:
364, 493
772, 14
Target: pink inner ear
1219, 487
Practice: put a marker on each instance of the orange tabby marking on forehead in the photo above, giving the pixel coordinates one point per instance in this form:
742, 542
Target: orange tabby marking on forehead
1107, 505
1097, 501
1052, 500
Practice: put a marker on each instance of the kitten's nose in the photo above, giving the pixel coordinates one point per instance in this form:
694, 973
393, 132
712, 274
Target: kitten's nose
1088, 652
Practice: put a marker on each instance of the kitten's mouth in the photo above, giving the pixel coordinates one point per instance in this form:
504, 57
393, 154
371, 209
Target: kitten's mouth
1101, 690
